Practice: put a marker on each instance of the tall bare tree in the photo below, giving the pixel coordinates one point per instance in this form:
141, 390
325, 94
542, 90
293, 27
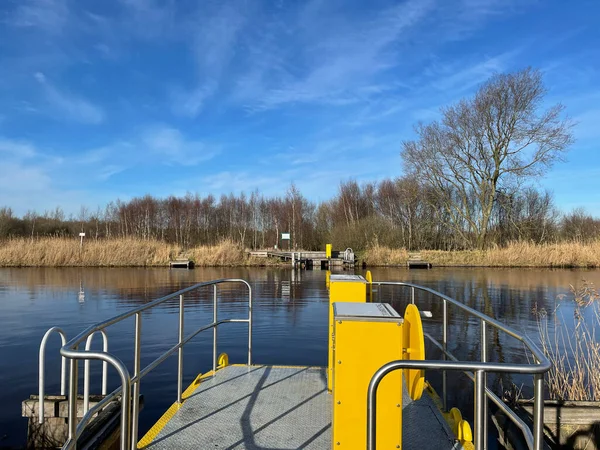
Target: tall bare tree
496, 139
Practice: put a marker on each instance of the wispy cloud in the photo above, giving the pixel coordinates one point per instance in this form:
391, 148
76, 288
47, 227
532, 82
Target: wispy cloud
49, 16
170, 144
301, 55
68, 104
214, 42
14, 149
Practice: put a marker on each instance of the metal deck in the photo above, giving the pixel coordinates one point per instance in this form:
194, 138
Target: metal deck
266, 407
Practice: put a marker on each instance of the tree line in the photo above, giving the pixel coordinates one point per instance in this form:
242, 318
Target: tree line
399, 212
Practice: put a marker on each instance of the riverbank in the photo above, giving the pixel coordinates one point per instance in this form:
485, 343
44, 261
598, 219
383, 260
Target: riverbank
518, 254
60, 252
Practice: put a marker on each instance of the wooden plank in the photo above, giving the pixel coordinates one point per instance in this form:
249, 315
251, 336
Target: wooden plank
567, 413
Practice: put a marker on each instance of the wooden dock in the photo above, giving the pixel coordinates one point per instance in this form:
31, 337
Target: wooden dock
415, 261
310, 259
182, 263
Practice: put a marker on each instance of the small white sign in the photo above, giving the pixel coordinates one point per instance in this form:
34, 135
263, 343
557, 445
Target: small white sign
285, 236
82, 234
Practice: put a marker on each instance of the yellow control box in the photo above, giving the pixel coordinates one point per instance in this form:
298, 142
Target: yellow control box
343, 288
366, 336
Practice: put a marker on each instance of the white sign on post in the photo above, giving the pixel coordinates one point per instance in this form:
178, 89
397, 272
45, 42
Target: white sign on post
285, 236
81, 234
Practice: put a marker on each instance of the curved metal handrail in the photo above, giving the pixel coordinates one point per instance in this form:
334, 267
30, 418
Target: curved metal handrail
42, 370
75, 429
538, 354
129, 397
86, 369
479, 369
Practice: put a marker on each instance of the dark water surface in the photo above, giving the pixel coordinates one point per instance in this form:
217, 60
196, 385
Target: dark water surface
290, 323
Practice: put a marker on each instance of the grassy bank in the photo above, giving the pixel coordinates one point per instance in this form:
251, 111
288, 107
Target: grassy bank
518, 254
59, 252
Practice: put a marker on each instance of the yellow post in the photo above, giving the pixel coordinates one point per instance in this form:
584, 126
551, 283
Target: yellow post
328, 251
343, 288
369, 279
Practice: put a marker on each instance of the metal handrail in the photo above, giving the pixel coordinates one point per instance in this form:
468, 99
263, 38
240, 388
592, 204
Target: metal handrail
479, 369
130, 386
493, 397
86, 370
42, 370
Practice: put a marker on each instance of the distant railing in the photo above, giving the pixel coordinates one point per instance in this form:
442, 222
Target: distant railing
129, 391
475, 370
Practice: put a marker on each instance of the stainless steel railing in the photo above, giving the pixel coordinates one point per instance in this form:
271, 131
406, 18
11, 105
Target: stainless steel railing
477, 371
129, 391
42, 370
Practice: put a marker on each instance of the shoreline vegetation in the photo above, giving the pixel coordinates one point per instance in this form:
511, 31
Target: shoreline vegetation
516, 254
131, 252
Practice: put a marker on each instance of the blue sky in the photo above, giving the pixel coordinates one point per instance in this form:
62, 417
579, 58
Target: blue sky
115, 99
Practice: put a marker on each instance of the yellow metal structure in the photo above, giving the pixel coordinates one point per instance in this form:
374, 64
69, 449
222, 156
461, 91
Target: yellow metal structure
222, 360
342, 288
328, 251
414, 342
369, 278
365, 341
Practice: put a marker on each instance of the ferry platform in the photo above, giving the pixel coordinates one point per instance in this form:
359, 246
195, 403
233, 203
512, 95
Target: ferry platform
372, 395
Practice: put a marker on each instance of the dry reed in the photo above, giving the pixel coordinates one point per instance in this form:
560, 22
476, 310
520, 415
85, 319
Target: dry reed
516, 254
573, 348
64, 252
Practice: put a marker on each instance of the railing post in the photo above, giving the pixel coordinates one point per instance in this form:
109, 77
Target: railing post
180, 359
73, 377
412, 295
86, 369
538, 411
214, 329
249, 325
445, 344
485, 402
135, 410
479, 409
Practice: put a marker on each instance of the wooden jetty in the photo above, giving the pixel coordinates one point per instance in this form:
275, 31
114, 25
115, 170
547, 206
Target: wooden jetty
310, 259
415, 261
181, 263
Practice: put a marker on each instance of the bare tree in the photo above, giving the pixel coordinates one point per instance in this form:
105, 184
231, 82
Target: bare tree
495, 140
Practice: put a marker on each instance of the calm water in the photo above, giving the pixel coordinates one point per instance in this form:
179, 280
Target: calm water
290, 322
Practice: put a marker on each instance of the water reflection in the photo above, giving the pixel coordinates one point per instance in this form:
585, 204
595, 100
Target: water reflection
290, 320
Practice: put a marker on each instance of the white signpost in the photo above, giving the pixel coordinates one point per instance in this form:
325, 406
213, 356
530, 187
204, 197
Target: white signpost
81, 235
286, 237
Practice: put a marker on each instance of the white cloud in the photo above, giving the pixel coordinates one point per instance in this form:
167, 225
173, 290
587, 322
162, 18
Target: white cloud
17, 150
70, 105
46, 15
169, 143
189, 103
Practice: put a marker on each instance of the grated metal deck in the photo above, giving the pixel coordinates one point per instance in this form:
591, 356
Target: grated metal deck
284, 408
253, 407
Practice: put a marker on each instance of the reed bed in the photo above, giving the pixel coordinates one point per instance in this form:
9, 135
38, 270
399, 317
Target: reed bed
126, 252
516, 254
573, 347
